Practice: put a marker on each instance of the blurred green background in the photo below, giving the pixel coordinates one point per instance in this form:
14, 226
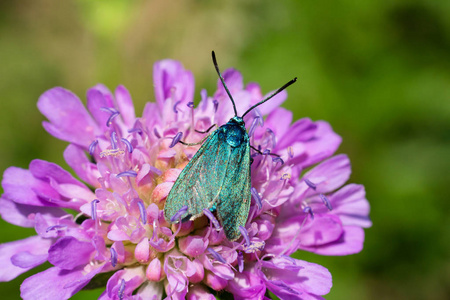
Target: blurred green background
378, 71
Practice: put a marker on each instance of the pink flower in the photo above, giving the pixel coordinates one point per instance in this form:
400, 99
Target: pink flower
111, 218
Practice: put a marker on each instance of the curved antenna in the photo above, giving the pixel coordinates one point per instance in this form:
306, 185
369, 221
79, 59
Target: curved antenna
271, 96
223, 81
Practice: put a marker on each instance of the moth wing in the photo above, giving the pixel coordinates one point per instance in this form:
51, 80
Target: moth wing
199, 184
235, 196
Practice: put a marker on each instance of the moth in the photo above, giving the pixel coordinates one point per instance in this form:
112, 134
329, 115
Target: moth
218, 177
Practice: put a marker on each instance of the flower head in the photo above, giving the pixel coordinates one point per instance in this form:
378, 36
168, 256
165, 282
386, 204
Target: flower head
112, 221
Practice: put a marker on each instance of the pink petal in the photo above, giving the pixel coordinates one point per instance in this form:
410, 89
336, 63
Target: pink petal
273, 103
42, 169
219, 269
247, 285
170, 79
151, 290
69, 120
255, 91
125, 104
23, 214
290, 278
161, 191
302, 130
322, 230
19, 185
58, 186
55, 284
198, 292
330, 174
27, 260
76, 158
154, 270
151, 116
192, 245
28, 253
351, 206
199, 272
133, 278
351, 242
279, 121
95, 102
215, 282
324, 144
233, 80
142, 251
68, 253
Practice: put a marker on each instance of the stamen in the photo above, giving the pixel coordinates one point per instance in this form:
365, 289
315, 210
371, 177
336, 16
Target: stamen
179, 213
257, 198
129, 173
114, 113
156, 170
142, 211
259, 116
92, 147
111, 152
175, 106
94, 209
274, 140
217, 256
326, 201
277, 159
128, 144
290, 152
255, 246
244, 233
121, 289
211, 217
254, 154
240, 261
190, 104
56, 227
216, 105
253, 126
309, 211
285, 287
156, 133
114, 140
111, 118
176, 139
111, 110
309, 183
138, 130
285, 176
113, 257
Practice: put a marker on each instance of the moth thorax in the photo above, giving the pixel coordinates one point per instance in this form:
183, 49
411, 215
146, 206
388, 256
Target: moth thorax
233, 134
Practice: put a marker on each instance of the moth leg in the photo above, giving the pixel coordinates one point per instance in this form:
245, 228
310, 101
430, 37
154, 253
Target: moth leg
194, 144
207, 130
201, 142
259, 151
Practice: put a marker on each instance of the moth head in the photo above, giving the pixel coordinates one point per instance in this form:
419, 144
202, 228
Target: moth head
238, 120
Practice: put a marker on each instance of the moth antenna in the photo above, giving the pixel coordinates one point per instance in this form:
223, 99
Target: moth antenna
270, 97
223, 81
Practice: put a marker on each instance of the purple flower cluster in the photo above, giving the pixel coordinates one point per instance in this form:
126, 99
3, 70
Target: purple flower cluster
113, 222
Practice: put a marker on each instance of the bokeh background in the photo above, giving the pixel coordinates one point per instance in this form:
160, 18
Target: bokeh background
378, 71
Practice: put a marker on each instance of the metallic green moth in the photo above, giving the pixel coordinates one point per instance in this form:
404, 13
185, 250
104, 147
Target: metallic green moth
218, 177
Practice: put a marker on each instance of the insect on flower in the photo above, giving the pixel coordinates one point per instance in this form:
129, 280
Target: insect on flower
218, 178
